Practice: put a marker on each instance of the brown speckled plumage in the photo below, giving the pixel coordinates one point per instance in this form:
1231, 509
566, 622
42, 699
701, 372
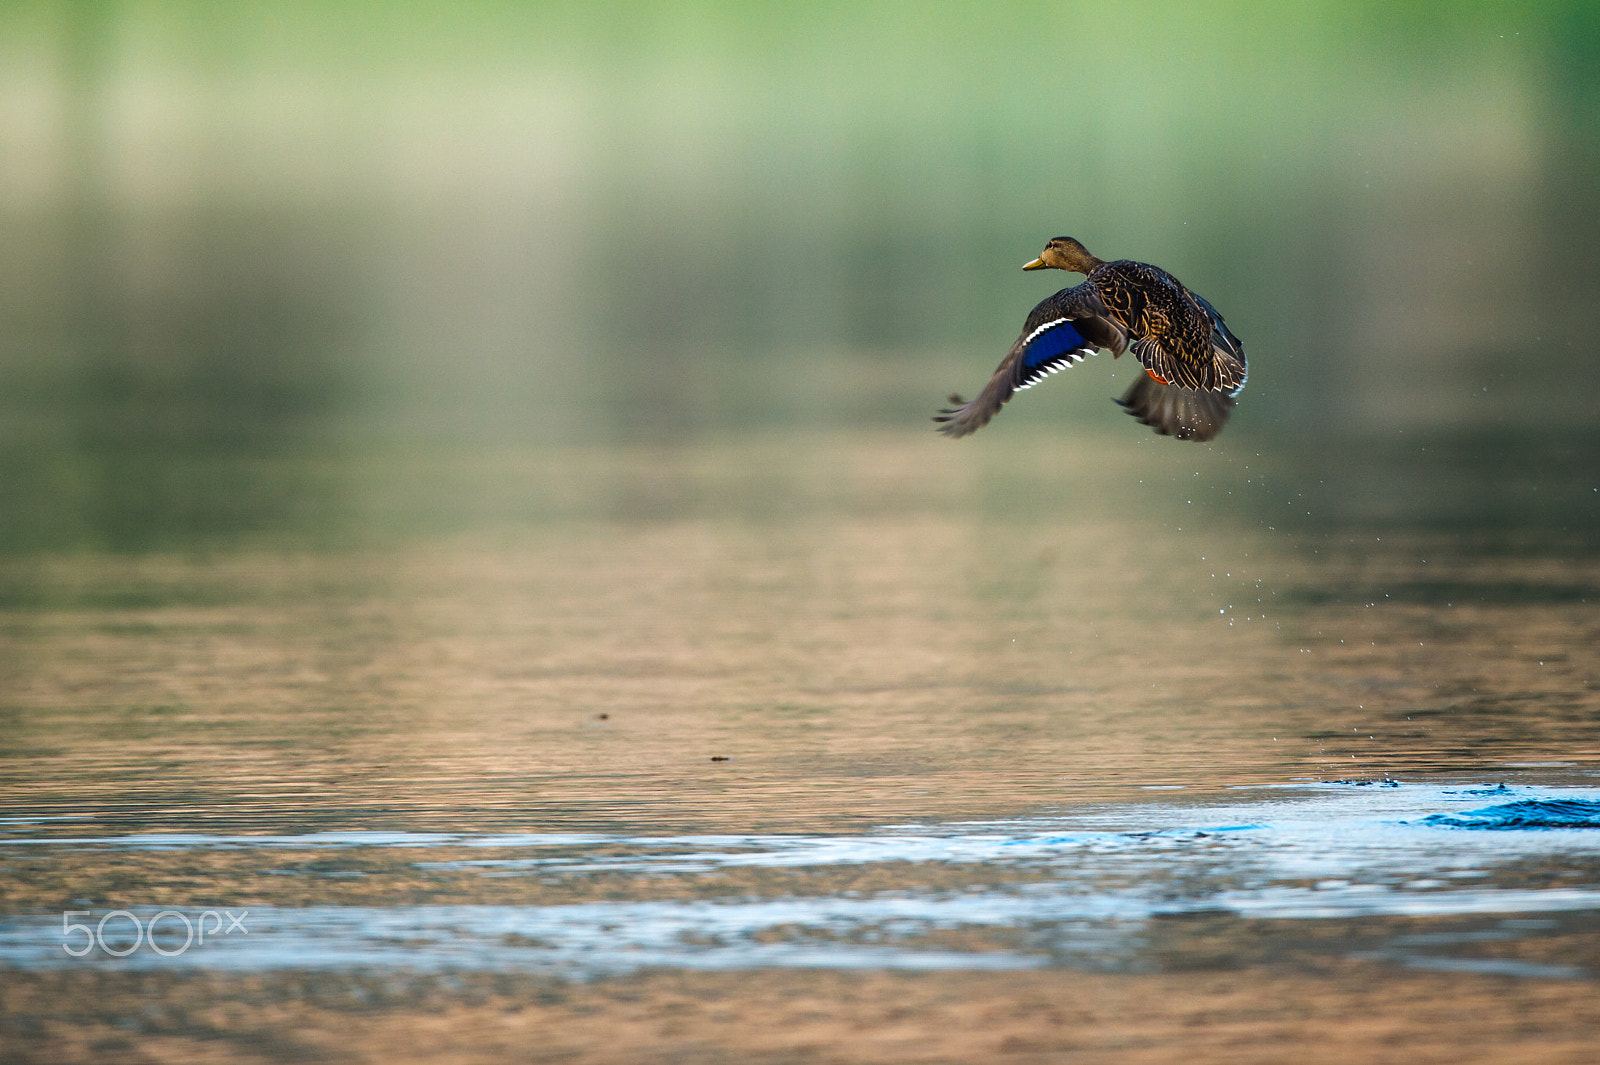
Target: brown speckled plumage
1194, 364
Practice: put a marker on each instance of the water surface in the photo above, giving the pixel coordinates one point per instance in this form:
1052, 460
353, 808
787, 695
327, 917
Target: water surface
787, 704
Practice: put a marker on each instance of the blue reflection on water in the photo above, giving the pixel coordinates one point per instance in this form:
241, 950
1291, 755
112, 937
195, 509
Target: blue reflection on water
1306, 854
1528, 813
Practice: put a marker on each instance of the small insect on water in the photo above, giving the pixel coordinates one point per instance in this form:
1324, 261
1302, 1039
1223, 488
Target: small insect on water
1194, 365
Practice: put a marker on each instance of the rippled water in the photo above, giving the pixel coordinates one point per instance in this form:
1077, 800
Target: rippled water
794, 707
1077, 890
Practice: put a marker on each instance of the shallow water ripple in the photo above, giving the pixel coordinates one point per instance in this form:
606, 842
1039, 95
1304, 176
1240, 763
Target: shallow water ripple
1086, 890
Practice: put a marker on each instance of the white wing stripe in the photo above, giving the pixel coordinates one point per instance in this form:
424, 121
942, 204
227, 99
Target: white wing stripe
1064, 361
1048, 325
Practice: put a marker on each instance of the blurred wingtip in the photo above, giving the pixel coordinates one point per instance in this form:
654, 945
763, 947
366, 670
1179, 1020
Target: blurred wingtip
951, 422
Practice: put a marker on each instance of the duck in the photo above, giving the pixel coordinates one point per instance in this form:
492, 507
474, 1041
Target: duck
1194, 367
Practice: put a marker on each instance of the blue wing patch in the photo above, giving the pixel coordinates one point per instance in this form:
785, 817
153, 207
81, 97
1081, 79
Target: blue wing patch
1052, 347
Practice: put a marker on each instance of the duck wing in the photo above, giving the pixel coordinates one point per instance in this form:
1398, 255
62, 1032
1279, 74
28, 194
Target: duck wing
1184, 413
1227, 348
1180, 338
1060, 332
1165, 366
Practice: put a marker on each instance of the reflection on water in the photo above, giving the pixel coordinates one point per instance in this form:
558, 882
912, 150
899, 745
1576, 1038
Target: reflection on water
467, 499
864, 640
1545, 813
644, 714
1078, 890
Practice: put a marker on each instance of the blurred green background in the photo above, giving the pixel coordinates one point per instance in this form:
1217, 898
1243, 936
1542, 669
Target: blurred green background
262, 261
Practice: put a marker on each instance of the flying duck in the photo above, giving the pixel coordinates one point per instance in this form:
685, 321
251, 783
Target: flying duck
1194, 365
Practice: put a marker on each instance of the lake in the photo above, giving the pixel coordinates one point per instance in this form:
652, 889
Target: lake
478, 580
825, 746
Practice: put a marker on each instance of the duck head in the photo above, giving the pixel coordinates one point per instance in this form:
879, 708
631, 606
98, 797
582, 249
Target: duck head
1064, 253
